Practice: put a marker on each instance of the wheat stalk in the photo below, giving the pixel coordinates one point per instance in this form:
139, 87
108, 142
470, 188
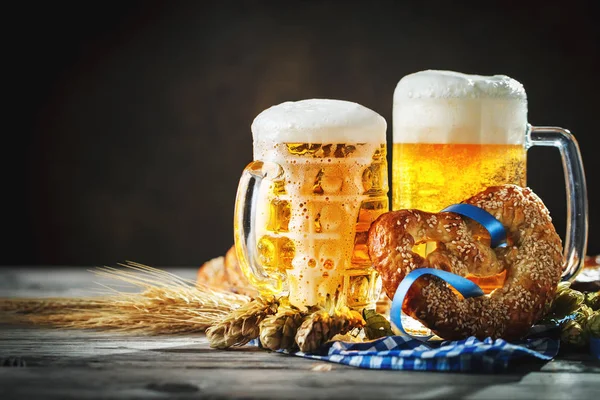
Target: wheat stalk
167, 304
49, 305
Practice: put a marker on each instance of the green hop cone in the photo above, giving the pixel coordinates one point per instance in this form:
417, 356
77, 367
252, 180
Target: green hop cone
573, 334
548, 315
582, 314
593, 324
562, 287
566, 302
592, 300
377, 325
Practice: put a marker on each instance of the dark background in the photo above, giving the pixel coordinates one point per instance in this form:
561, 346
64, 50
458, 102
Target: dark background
128, 122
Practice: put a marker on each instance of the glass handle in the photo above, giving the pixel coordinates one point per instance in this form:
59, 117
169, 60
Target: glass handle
251, 196
575, 245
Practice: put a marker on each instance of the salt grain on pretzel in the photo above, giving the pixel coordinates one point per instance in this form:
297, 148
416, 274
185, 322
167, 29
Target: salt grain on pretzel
533, 262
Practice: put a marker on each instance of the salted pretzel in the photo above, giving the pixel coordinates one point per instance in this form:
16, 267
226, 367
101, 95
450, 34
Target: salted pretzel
532, 259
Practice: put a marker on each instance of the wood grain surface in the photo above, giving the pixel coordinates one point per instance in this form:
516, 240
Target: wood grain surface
58, 364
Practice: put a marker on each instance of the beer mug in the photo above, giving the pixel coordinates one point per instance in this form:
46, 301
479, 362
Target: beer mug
305, 204
456, 134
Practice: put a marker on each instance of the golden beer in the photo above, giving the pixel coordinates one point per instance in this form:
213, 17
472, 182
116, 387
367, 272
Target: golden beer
431, 176
311, 221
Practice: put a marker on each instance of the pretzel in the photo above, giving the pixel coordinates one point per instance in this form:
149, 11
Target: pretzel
224, 273
532, 259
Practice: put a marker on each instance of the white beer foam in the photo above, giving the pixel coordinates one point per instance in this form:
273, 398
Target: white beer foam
450, 107
449, 84
319, 121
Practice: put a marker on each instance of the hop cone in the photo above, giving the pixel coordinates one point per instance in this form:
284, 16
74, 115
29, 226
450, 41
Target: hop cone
592, 300
566, 301
241, 325
593, 325
314, 331
582, 314
320, 326
377, 325
572, 333
562, 286
279, 331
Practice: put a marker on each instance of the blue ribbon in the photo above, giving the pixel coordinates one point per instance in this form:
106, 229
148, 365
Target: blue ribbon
489, 222
463, 285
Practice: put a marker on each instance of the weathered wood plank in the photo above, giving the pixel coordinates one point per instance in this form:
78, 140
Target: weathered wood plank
73, 364
121, 382
54, 347
63, 281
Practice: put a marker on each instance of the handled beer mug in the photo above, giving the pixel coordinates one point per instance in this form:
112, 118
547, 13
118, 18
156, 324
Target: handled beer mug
456, 134
305, 204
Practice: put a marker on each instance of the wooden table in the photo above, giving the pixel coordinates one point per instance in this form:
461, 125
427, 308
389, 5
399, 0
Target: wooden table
83, 364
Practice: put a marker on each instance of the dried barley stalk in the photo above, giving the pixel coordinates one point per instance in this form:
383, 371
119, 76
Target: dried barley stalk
168, 304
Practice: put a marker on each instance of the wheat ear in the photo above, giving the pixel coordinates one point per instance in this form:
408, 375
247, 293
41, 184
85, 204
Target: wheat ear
167, 304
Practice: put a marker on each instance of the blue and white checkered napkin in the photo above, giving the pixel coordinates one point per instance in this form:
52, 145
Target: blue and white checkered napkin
406, 353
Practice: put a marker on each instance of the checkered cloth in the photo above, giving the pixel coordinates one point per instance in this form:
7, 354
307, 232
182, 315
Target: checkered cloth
406, 353
470, 355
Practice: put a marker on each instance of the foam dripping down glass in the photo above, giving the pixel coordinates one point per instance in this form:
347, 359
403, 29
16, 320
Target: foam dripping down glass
306, 202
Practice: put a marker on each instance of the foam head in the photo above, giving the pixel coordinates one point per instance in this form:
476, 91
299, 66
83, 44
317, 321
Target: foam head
319, 121
450, 107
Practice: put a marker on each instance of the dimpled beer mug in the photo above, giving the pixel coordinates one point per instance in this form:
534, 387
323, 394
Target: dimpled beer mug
305, 204
456, 134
